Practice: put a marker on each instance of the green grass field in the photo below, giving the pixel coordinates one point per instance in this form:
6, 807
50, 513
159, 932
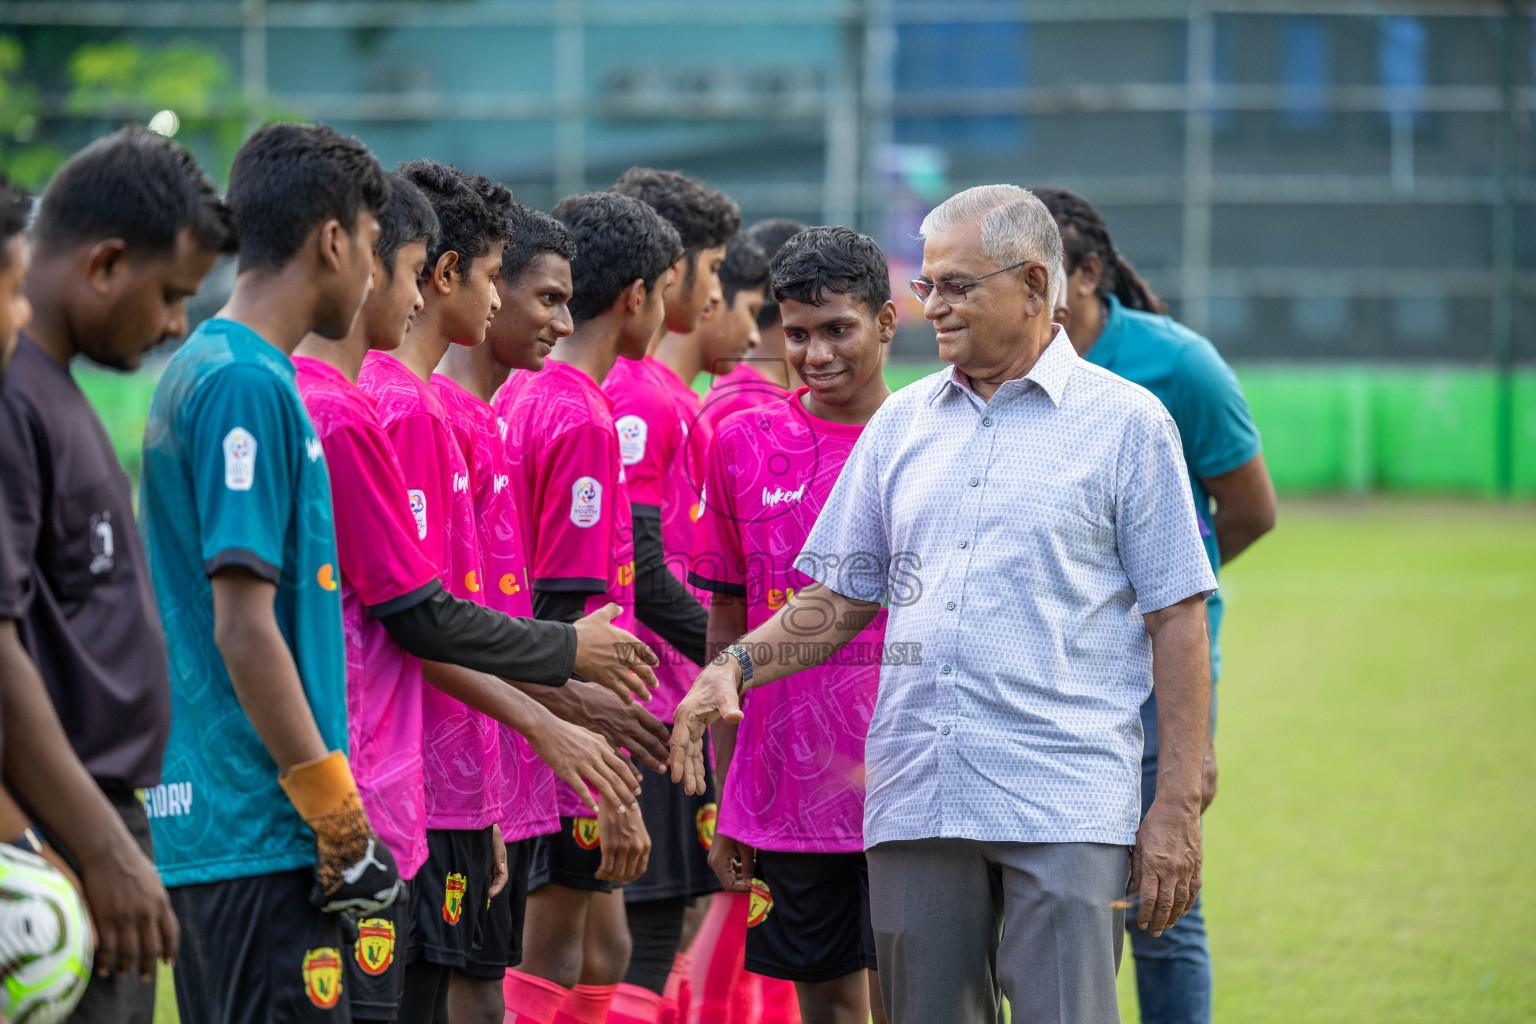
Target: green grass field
1368, 855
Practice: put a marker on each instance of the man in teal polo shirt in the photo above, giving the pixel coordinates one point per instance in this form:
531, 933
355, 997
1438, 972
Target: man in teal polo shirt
1116, 322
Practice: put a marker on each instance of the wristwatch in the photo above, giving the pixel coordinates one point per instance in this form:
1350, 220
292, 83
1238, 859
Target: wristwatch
744, 658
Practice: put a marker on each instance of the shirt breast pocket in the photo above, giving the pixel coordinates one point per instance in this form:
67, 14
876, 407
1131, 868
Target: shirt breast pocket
81, 550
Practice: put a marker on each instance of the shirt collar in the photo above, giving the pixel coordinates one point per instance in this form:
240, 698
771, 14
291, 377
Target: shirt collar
1049, 373
1108, 344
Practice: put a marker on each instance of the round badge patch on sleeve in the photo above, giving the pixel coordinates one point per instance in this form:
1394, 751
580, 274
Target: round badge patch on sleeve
586, 501
239, 459
632, 433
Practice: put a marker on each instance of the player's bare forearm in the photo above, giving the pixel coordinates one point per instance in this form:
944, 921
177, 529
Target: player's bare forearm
261, 668
624, 723
727, 624
1245, 506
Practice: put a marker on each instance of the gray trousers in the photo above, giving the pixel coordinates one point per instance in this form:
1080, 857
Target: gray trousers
956, 919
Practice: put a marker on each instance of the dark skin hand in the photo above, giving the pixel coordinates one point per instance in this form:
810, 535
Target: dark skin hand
129, 908
732, 862
623, 723
614, 657
624, 843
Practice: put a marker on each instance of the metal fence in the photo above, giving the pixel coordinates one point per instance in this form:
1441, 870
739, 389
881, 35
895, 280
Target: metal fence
1300, 179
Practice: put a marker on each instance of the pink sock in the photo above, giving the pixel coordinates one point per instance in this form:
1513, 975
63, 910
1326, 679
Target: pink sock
715, 960
634, 1005
781, 1004
678, 995
531, 1000
747, 999
586, 1004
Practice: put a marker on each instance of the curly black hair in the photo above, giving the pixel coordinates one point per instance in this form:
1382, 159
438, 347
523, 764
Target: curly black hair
771, 234
530, 234
703, 216
466, 224
745, 266
837, 260
137, 186
1084, 234
618, 240
15, 208
408, 218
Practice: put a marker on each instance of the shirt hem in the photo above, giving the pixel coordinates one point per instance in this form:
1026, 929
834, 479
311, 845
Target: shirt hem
529, 829
227, 869
717, 586
244, 559
987, 836
406, 601
463, 822
571, 584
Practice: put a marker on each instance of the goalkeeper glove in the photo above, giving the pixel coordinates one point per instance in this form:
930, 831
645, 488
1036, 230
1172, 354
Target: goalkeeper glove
354, 870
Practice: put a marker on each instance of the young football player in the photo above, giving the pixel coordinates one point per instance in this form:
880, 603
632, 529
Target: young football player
654, 407
791, 813
126, 232
236, 513
571, 490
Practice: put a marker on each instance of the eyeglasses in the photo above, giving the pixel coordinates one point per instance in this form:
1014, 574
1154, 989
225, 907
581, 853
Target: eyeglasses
954, 291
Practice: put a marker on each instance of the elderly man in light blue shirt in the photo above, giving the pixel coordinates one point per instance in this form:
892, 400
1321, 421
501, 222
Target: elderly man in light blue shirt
1026, 517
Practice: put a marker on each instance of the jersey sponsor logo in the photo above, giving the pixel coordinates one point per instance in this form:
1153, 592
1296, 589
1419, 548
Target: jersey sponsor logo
778, 494
460, 482
627, 574
453, 897
419, 510
499, 482
777, 598
375, 949
586, 502
508, 584
759, 903
322, 976
239, 459
168, 800
632, 432
472, 581
313, 448
103, 543
326, 577
704, 821
584, 831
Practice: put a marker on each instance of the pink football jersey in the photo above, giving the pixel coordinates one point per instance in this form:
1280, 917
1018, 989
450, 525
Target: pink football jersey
528, 796
569, 486
462, 748
796, 781
381, 561
743, 387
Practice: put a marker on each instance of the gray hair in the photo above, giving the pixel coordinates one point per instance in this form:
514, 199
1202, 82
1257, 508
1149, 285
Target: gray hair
1016, 227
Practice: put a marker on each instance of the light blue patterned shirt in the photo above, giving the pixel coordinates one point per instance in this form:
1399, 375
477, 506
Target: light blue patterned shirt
1018, 541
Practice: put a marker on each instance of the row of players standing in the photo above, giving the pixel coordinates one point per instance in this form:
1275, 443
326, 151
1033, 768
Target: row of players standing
382, 545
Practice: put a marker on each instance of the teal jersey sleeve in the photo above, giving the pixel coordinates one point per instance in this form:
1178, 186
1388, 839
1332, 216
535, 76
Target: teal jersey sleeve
245, 444
1208, 405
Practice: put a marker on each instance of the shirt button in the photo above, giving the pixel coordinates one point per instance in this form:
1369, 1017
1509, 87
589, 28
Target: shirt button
962, 544
945, 730
950, 606
945, 670
987, 422
974, 481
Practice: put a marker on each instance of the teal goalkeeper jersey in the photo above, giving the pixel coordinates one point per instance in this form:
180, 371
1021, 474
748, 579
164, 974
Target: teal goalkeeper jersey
234, 475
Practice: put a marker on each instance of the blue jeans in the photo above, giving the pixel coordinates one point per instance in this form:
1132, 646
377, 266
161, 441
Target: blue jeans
1173, 971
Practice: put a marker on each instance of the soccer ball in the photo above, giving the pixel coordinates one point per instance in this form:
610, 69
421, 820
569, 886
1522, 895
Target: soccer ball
45, 940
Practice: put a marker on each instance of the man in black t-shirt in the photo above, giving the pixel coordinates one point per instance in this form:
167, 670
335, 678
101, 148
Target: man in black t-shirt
125, 233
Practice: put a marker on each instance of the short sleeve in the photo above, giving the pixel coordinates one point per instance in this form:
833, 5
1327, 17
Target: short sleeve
849, 550
377, 539
1155, 528
421, 446
578, 492
718, 563
1217, 429
21, 509
244, 440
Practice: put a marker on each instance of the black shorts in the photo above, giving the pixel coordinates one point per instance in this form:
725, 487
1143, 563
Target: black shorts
375, 958
501, 938
682, 829
448, 897
254, 950
816, 927
569, 857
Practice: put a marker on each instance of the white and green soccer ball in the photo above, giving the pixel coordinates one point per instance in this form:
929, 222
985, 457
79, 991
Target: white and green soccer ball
45, 940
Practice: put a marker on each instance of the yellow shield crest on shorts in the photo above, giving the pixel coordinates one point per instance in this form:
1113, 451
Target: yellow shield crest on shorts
375, 949
453, 897
322, 976
584, 831
760, 902
705, 822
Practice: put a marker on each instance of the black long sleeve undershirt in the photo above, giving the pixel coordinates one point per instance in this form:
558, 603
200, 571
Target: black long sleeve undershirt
661, 600
440, 627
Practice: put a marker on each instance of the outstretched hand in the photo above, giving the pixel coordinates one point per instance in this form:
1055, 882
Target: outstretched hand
715, 696
614, 657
